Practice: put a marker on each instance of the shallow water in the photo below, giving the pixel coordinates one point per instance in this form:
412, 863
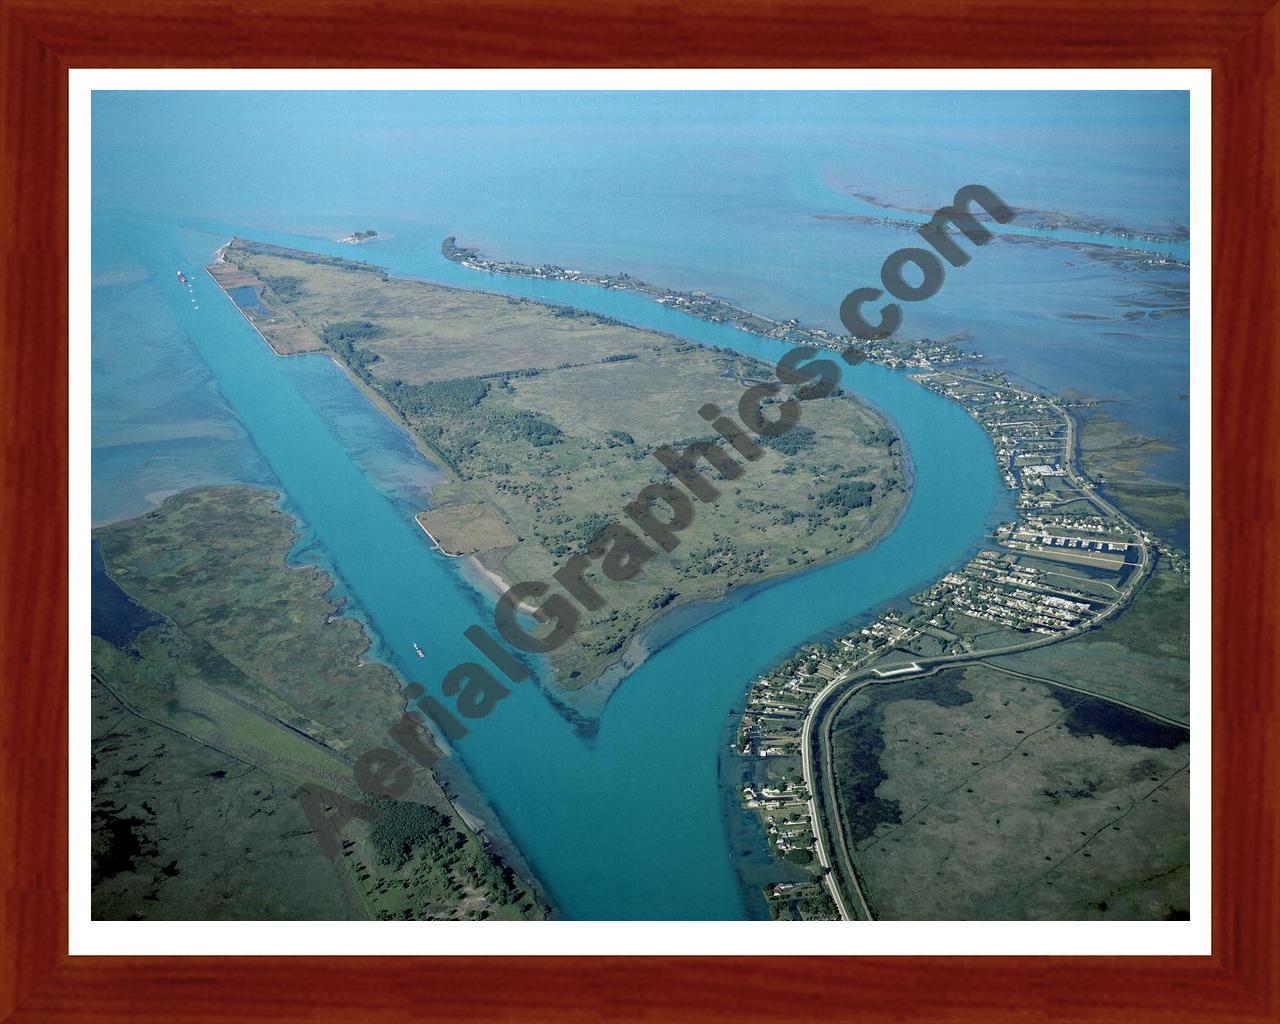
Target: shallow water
627, 824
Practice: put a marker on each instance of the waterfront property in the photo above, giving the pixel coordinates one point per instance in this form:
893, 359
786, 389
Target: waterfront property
617, 806
572, 809
1069, 562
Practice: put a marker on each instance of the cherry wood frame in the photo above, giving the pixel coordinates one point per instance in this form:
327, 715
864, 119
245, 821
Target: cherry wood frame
40, 40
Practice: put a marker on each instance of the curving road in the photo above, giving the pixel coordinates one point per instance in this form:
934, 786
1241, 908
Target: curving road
828, 826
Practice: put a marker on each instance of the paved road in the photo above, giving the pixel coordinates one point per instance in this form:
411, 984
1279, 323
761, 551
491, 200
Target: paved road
816, 735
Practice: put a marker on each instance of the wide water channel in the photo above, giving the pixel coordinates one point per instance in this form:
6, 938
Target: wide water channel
626, 824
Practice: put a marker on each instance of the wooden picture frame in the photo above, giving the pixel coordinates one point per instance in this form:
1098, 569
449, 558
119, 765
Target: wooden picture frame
41, 40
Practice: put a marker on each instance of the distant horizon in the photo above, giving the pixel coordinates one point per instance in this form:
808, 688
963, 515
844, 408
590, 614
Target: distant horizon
1054, 141
1012, 473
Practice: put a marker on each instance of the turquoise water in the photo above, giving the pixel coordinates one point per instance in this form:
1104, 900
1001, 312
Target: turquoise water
626, 824
726, 192
1174, 248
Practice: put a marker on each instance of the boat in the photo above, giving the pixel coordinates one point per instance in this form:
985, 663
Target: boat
182, 277
418, 650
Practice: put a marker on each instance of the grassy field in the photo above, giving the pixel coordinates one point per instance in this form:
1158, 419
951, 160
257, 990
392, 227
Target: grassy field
184, 830
466, 529
546, 419
1140, 657
289, 336
243, 684
978, 795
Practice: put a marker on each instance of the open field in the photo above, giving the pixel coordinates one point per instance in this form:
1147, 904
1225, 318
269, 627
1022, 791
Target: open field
228, 682
981, 795
466, 529
546, 419
288, 335
182, 830
1140, 657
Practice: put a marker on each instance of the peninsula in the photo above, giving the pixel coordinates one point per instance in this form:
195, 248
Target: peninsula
544, 418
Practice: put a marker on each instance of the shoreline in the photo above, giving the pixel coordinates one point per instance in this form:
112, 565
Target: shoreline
593, 695
471, 563
610, 672
1044, 220
596, 692
698, 610
449, 774
716, 605
436, 459
853, 663
893, 352
435, 544
219, 257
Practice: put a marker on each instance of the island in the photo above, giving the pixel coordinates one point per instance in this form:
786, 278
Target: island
1043, 220
545, 419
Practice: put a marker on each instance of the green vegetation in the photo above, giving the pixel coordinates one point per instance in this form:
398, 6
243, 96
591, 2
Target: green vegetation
1142, 656
1114, 453
847, 496
286, 287
409, 830
184, 830
244, 685
813, 905
405, 828
981, 795
437, 398
793, 442
547, 419
345, 333
1049, 784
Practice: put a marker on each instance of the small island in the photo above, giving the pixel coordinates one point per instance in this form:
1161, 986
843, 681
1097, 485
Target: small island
356, 237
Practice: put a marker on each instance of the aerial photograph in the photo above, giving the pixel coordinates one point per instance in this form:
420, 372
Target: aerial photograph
666, 505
